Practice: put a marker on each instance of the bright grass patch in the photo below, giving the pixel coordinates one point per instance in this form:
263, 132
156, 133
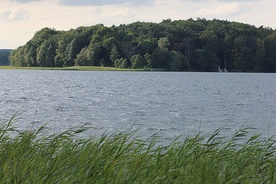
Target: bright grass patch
30, 157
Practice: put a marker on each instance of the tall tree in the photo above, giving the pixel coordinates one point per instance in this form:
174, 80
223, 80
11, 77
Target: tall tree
270, 45
41, 54
177, 62
137, 61
114, 54
260, 55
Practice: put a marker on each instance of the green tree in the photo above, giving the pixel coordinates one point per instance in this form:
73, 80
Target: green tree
51, 53
30, 56
198, 45
146, 45
160, 57
209, 40
199, 59
120, 63
260, 55
88, 56
128, 48
239, 54
205, 60
148, 60
210, 47
137, 61
58, 61
43, 34
71, 52
4, 56
114, 54
41, 54
84, 57
270, 46
177, 62
163, 42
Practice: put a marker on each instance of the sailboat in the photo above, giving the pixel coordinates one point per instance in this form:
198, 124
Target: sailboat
225, 69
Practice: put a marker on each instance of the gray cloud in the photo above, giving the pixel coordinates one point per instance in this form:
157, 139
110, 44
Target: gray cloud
105, 2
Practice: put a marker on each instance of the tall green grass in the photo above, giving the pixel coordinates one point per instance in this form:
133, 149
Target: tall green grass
32, 157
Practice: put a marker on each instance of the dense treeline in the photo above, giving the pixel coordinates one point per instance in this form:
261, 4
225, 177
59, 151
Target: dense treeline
185, 45
4, 56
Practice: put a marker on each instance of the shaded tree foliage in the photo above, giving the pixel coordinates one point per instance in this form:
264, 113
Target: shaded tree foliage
4, 56
182, 45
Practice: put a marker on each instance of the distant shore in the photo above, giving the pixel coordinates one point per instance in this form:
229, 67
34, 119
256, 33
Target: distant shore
80, 68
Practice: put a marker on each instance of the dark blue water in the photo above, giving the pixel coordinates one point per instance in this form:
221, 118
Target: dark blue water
169, 104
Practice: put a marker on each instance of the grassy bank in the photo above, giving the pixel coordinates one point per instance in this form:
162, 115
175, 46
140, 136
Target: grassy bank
28, 157
81, 68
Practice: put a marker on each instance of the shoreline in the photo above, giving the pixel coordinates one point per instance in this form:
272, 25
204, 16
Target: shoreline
78, 68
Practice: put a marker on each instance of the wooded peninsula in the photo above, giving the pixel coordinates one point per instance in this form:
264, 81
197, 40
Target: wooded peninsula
181, 45
4, 56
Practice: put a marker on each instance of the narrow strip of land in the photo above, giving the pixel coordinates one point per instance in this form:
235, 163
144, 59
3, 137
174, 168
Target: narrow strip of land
81, 68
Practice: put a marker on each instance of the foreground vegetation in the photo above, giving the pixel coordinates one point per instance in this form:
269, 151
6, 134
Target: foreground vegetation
30, 157
182, 45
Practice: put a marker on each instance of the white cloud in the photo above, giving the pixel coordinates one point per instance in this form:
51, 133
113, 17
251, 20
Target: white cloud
125, 13
225, 10
4, 14
213, 1
105, 2
14, 15
18, 14
24, 1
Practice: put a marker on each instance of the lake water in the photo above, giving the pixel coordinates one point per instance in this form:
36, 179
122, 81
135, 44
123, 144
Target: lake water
167, 103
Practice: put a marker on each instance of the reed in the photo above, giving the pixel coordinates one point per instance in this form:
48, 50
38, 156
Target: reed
32, 157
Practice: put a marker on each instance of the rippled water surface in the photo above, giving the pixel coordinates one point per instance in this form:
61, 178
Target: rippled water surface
170, 104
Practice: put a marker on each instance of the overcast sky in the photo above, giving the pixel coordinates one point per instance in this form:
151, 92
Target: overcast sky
20, 19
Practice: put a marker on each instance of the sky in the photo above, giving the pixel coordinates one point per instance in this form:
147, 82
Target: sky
20, 19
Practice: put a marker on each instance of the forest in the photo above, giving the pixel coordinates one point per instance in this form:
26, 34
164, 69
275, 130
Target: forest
4, 56
179, 45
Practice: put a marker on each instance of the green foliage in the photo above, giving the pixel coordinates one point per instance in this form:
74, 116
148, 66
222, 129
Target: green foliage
163, 42
4, 56
120, 63
148, 60
182, 45
177, 62
32, 157
114, 54
137, 61
160, 57
270, 45
84, 58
